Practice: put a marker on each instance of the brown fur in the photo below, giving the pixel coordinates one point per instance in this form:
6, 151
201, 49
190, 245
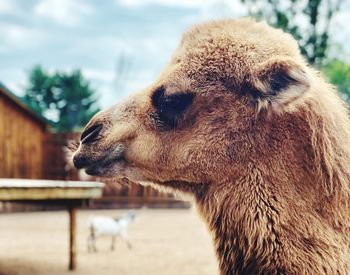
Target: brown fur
263, 149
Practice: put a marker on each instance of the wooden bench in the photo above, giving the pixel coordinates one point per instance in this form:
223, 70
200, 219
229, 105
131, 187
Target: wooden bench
69, 194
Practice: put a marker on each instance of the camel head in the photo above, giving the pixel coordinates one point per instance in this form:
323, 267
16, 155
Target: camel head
198, 121
239, 120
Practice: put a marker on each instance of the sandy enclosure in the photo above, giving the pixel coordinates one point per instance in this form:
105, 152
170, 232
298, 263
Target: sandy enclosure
164, 242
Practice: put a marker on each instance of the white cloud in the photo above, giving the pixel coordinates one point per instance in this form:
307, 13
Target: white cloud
113, 44
222, 9
64, 12
102, 75
16, 87
19, 37
340, 30
110, 89
208, 9
7, 7
182, 3
15, 80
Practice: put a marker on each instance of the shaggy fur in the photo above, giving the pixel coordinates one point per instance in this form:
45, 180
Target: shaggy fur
239, 122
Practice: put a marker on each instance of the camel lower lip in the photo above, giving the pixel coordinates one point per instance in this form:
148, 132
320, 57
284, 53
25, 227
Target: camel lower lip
98, 168
92, 171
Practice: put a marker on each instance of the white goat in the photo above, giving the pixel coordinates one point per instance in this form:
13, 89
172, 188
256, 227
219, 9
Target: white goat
108, 226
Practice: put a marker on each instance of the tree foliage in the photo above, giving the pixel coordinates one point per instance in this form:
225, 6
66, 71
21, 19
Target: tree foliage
307, 20
338, 73
65, 99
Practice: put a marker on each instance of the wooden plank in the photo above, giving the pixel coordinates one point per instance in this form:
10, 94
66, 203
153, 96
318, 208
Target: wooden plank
20, 189
23, 183
72, 238
15, 194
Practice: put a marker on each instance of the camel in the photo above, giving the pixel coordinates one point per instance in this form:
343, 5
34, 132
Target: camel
261, 142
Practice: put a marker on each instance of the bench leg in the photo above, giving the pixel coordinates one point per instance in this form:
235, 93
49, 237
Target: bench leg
72, 238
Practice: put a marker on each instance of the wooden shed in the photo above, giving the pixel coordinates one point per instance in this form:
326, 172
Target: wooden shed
21, 135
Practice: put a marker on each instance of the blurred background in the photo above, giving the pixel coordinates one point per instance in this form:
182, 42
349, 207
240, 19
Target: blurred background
64, 60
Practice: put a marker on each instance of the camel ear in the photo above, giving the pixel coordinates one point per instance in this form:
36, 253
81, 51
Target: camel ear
278, 82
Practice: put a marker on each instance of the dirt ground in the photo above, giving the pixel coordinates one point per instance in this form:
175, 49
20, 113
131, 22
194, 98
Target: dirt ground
165, 242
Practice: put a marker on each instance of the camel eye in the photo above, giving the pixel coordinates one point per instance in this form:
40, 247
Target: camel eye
171, 107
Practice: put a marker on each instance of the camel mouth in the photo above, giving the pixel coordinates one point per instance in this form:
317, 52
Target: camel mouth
103, 166
110, 160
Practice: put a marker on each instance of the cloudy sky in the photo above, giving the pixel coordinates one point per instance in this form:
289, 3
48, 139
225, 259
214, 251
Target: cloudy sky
120, 45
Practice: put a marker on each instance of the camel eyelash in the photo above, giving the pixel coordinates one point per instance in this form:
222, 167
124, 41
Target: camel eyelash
171, 107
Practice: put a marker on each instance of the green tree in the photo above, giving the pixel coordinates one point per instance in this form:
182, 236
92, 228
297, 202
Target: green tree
65, 99
338, 73
41, 92
307, 20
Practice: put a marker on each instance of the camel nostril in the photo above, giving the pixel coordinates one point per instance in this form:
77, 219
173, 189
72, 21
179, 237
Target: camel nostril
91, 133
80, 162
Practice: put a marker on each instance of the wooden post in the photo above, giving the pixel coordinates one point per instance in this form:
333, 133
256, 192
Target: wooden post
72, 238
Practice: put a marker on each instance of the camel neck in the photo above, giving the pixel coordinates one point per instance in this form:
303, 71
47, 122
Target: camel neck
257, 228
243, 226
